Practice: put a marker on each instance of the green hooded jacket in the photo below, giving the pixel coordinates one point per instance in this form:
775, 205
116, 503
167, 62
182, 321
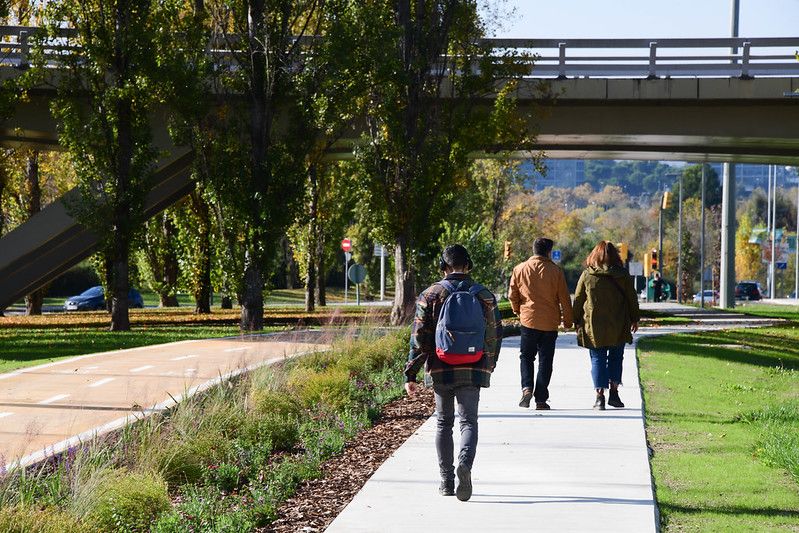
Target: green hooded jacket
605, 306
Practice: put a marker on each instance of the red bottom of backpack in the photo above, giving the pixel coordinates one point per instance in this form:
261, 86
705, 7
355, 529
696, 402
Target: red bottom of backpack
459, 358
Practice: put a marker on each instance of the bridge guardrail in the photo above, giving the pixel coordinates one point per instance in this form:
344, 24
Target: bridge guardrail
549, 58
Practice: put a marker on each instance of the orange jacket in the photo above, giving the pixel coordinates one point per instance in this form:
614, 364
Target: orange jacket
539, 296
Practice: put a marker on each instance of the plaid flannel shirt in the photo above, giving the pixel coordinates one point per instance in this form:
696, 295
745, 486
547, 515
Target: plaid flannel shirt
423, 347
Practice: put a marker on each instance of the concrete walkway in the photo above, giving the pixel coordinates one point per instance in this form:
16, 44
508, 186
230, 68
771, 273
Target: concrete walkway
568, 469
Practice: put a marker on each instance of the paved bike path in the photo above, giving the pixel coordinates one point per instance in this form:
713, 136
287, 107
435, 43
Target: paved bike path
46, 409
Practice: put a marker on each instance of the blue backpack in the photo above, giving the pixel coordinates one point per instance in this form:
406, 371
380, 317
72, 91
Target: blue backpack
460, 332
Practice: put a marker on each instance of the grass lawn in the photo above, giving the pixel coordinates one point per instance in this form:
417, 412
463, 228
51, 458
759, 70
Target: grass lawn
787, 312
722, 414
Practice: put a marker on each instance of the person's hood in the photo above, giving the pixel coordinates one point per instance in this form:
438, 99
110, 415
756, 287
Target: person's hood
613, 271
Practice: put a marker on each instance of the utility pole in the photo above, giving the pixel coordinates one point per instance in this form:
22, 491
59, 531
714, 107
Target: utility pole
772, 287
702, 244
660, 234
735, 15
796, 244
679, 245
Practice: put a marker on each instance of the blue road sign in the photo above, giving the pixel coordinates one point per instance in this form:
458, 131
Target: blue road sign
556, 256
781, 266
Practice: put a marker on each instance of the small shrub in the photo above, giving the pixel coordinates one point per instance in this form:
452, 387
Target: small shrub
281, 431
185, 460
226, 476
270, 401
23, 519
127, 502
329, 387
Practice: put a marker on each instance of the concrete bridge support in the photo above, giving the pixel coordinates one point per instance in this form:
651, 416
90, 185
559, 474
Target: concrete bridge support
728, 228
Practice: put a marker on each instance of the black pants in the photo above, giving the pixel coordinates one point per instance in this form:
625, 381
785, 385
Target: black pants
541, 343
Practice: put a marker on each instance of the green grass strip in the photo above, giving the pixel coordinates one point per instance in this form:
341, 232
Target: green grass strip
721, 422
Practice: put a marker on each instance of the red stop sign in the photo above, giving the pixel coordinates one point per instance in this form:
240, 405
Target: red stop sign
346, 245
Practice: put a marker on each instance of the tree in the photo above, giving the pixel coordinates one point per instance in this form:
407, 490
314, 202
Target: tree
103, 108
266, 68
158, 258
426, 69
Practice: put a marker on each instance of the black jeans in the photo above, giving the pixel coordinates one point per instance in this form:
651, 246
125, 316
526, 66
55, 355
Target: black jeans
542, 343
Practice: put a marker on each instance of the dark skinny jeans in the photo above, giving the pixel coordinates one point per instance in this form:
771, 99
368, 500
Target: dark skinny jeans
468, 398
542, 343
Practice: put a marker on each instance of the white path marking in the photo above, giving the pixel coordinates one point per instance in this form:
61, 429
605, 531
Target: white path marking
237, 349
190, 371
90, 367
54, 399
101, 382
183, 357
3, 415
141, 368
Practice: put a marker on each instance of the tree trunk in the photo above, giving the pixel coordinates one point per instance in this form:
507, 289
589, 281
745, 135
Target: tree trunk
168, 298
310, 277
319, 294
252, 310
34, 300
202, 291
404, 296
120, 320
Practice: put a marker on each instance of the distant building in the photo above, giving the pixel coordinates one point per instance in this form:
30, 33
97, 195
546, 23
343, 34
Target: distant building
567, 173
749, 177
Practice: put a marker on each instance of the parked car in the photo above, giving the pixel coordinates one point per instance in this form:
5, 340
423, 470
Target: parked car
710, 296
747, 290
94, 299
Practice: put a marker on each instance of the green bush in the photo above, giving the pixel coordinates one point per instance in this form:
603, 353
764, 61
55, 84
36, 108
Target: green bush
281, 431
184, 460
226, 476
270, 401
330, 387
128, 502
23, 519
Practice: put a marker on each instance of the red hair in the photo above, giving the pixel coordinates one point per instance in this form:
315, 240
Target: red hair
604, 254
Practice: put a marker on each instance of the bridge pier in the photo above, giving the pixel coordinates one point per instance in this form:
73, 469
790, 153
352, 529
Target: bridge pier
728, 227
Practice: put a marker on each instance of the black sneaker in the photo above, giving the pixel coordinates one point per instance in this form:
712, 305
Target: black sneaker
527, 395
614, 400
599, 404
464, 491
447, 488
542, 406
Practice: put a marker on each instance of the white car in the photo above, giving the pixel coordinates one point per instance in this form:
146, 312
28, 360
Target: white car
710, 296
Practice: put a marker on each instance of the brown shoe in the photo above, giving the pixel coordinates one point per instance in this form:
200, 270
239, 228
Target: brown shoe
541, 406
527, 395
599, 404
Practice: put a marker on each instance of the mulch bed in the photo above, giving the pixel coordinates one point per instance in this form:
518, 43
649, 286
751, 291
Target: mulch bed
317, 502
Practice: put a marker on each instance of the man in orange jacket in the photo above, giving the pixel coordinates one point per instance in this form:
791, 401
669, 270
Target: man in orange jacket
540, 298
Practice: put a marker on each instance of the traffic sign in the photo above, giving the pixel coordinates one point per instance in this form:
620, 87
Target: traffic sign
357, 273
380, 251
556, 255
346, 244
781, 265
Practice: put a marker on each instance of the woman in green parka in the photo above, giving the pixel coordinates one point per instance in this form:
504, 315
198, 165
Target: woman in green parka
605, 315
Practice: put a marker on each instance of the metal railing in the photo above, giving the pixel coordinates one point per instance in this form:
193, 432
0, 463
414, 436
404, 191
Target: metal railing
549, 58
654, 58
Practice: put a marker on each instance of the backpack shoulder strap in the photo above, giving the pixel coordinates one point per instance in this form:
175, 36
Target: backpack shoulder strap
447, 284
475, 289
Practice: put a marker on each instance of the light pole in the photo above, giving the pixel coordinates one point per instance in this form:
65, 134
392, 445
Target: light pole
772, 288
702, 243
679, 245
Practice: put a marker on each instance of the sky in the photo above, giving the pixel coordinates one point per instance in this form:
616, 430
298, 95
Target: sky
647, 18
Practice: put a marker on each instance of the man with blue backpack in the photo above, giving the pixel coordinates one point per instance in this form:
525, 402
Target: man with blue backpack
456, 335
